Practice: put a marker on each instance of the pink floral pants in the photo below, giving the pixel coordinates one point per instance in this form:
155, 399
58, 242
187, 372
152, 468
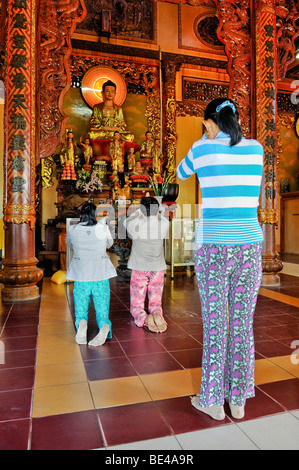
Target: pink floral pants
142, 283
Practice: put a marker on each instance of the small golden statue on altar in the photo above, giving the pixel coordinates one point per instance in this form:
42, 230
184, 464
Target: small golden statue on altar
138, 169
131, 160
139, 174
101, 168
107, 117
146, 148
67, 157
87, 151
116, 152
157, 157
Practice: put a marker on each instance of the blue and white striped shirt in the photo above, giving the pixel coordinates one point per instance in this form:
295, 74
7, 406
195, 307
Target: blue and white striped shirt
230, 180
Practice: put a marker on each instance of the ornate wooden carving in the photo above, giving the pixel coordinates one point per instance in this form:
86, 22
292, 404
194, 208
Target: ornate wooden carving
58, 20
185, 108
3, 30
169, 70
283, 120
234, 31
196, 90
205, 28
286, 104
129, 19
196, 96
286, 15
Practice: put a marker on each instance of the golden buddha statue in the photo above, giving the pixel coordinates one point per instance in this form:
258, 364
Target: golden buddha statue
68, 157
157, 156
87, 151
146, 146
131, 159
116, 152
107, 117
138, 169
139, 174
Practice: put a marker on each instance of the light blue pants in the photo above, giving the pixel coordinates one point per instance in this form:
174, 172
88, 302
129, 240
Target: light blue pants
100, 292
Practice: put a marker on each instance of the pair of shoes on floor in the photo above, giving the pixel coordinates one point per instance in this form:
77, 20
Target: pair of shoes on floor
216, 411
99, 340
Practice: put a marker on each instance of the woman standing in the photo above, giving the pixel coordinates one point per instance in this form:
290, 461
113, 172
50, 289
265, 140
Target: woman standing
228, 261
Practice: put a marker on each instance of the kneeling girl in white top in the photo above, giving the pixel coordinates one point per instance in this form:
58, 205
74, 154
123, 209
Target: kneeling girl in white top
91, 269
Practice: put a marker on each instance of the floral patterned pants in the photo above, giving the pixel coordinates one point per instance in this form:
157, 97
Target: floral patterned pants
228, 279
142, 283
100, 292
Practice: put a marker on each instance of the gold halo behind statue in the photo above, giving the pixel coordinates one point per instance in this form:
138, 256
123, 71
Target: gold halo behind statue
93, 81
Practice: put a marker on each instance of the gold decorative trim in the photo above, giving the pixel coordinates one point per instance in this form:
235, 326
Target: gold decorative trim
19, 214
268, 216
47, 172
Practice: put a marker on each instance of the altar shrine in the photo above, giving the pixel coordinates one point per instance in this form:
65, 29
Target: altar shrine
109, 162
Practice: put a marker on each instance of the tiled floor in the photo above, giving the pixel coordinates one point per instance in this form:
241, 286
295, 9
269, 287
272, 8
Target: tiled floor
133, 392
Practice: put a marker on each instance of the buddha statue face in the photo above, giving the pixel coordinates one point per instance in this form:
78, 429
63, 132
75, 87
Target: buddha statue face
109, 93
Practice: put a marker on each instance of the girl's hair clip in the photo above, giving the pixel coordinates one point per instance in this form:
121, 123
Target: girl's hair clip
224, 104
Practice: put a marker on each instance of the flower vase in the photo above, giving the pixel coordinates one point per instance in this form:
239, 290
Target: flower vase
159, 199
91, 198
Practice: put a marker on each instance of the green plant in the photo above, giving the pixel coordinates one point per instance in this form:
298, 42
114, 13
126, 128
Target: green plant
159, 189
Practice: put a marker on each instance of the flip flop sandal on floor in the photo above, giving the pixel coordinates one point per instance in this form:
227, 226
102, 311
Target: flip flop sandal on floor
150, 324
160, 322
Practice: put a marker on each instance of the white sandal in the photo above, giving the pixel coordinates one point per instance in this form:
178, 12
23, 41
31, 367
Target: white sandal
101, 337
238, 412
81, 336
216, 411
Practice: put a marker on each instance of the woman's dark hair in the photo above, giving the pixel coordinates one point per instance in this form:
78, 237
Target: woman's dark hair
88, 214
149, 206
224, 113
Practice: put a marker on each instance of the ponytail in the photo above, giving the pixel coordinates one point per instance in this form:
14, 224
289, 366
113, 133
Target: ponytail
88, 214
225, 114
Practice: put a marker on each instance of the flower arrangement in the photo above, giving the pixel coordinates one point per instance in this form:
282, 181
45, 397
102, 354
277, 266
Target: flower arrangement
159, 189
88, 181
